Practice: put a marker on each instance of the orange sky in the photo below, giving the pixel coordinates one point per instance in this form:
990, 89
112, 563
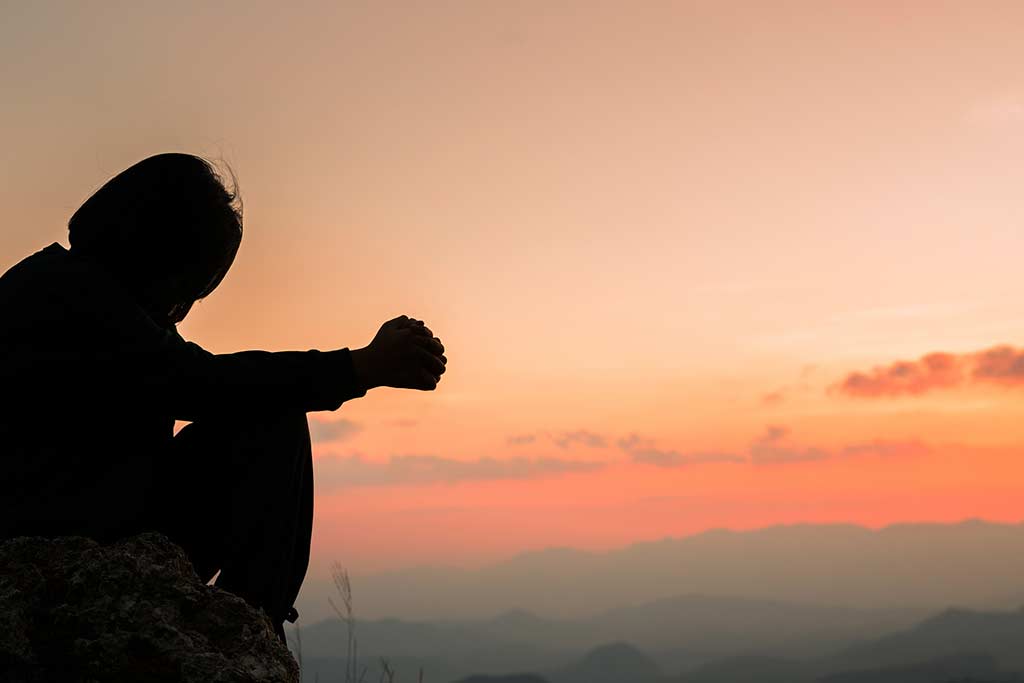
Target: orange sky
687, 222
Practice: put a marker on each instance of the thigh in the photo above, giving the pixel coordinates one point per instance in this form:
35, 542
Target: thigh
221, 478
188, 495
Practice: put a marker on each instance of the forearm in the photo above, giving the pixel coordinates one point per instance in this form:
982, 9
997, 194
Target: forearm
364, 368
184, 382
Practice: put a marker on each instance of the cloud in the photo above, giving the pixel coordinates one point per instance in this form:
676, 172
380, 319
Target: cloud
784, 393
581, 436
334, 430
1002, 365
336, 472
931, 372
673, 458
885, 449
634, 441
642, 450
402, 422
562, 439
772, 447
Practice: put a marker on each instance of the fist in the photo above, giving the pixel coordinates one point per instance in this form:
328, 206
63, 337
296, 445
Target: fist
404, 354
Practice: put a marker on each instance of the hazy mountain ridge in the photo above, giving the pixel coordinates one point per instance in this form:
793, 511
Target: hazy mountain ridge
955, 645
976, 646
951, 669
610, 663
926, 566
930, 652
954, 631
694, 638
699, 627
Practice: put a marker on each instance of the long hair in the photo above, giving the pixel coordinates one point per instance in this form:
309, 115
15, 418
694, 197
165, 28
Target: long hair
169, 215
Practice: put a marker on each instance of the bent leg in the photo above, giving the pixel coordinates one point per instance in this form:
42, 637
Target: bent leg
237, 495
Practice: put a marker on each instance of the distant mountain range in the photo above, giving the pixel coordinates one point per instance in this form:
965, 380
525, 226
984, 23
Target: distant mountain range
957, 645
679, 631
920, 566
818, 601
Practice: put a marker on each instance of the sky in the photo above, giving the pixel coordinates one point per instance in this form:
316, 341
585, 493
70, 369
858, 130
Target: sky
695, 265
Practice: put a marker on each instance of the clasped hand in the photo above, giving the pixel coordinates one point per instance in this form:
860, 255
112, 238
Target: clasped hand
404, 354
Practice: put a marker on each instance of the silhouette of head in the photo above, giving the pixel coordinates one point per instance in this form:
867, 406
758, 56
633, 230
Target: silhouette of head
167, 228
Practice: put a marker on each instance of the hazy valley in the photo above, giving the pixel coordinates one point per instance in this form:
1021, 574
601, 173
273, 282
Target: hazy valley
799, 603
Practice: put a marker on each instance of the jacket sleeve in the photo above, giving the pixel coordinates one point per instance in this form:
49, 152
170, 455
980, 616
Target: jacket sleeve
80, 344
180, 379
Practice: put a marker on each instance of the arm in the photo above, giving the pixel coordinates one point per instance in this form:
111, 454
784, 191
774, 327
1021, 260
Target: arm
73, 339
179, 379
155, 370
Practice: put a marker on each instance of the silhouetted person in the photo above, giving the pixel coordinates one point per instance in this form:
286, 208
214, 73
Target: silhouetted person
93, 375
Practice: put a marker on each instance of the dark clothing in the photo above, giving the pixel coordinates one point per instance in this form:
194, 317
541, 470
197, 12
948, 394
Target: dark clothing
237, 495
91, 387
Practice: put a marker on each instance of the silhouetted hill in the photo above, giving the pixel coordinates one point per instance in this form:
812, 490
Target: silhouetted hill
514, 678
687, 630
611, 663
955, 631
955, 669
971, 645
927, 566
715, 626
956, 645
748, 669
445, 651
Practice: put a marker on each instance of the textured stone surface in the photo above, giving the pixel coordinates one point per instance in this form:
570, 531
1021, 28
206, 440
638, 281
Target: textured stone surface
135, 610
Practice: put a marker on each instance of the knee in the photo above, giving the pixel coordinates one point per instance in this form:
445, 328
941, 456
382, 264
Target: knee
288, 430
277, 431
280, 422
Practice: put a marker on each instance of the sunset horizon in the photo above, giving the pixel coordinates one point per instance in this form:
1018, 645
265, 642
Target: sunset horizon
617, 339
695, 266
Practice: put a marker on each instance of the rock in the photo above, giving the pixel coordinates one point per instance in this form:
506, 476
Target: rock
72, 609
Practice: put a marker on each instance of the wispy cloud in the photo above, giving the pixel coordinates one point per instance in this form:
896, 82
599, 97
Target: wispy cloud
885, 449
674, 458
1002, 365
642, 450
772, 447
633, 441
785, 393
565, 439
332, 430
580, 436
335, 472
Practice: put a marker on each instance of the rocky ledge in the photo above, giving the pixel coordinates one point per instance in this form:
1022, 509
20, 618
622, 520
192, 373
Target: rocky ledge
72, 609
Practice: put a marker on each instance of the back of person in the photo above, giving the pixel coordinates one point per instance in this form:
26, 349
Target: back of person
66, 449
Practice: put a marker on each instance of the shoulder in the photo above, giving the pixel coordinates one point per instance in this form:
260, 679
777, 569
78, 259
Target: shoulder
35, 278
55, 291
36, 264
